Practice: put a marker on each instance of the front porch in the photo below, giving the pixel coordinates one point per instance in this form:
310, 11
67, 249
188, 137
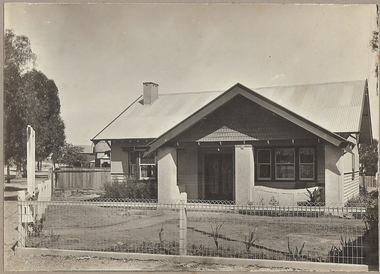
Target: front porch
234, 172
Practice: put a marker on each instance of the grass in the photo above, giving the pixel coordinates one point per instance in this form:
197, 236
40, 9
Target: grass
106, 228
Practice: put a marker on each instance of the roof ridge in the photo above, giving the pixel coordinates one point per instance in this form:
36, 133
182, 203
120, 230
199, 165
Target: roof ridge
311, 84
193, 92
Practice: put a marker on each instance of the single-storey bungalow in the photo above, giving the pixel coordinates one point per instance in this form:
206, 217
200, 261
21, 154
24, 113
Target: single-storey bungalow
250, 146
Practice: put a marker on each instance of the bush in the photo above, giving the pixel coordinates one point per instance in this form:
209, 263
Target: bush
131, 190
371, 236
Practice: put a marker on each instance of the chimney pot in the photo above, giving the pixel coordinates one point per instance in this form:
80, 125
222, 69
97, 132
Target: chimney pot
150, 93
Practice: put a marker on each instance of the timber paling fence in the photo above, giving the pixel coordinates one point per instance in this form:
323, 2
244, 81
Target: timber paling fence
197, 228
81, 178
368, 181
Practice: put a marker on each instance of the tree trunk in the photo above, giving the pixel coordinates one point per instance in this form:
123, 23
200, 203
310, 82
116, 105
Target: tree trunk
8, 174
24, 170
18, 171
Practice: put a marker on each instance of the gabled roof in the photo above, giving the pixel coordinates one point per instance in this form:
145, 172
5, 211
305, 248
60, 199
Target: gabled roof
239, 89
336, 107
325, 108
87, 149
140, 121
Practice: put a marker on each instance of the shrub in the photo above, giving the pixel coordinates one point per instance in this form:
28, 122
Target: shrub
371, 236
131, 190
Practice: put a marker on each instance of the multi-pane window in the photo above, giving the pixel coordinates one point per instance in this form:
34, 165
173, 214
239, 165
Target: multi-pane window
141, 168
264, 164
132, 163
285, 164
307, 159
147, 167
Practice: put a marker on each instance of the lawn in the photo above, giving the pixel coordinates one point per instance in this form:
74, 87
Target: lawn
110, 228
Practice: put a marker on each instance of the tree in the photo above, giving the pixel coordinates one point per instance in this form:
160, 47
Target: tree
44, 114
30, 99
368, 157
70, 155
18, 59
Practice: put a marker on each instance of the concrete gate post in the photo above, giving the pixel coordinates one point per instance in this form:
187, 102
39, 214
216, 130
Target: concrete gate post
244, 174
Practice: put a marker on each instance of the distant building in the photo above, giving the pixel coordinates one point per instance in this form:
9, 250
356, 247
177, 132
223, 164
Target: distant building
89, 153
102, 152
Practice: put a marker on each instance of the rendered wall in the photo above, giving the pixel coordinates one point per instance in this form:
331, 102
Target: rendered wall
188, 170
167, 175
333, 175
244, 174
119, 162
268, 196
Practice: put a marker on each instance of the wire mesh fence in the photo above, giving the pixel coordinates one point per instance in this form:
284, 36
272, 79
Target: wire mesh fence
312, 233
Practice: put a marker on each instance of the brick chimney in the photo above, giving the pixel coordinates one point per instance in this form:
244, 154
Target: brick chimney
150, 93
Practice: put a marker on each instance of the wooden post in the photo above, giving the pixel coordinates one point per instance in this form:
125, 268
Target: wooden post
31, 160
183, 229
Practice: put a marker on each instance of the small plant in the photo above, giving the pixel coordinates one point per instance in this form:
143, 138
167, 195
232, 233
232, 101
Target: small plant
215, 233
36, 227
315, 196
161, 232
250, 239
273, 201
261, 202
345, 253
53, 237
295, 255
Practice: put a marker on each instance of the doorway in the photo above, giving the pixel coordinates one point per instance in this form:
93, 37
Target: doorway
219, 179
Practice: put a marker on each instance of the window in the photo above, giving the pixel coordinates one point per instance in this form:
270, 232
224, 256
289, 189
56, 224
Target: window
264, 164
306, 168
132, 163
285, 164
147, 167
141, 168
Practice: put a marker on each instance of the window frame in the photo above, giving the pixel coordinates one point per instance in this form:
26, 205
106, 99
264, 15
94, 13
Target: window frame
140, 169
259, 164
138, 166
294, 178
299, 164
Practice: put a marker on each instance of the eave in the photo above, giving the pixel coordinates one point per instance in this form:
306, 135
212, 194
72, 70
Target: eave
239, 89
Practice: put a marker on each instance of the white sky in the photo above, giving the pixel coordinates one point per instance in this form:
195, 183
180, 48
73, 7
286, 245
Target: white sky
100, 54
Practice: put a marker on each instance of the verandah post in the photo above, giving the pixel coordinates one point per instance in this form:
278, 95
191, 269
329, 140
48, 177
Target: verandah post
183, 229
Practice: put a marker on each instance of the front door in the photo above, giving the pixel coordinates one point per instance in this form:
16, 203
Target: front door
219, 183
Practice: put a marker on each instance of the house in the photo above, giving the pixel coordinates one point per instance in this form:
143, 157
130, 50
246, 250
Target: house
250, 146
102, 152
87, 152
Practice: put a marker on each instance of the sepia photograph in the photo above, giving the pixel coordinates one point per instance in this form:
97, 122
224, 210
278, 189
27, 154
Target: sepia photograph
191, 137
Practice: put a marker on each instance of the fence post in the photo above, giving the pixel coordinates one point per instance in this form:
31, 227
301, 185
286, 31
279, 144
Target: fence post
183, 229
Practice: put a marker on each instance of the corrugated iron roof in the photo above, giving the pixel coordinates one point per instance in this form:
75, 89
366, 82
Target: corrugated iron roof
333, 106
336, 107
150, 121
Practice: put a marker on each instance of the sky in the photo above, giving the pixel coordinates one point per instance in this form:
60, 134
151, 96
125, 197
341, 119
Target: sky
99, 55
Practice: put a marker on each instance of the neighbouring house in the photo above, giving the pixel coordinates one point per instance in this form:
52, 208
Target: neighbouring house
87, 151
250, 146
102, 152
